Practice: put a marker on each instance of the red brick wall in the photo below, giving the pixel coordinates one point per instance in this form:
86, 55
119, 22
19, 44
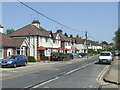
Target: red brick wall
38, 54
5, 51
63, 46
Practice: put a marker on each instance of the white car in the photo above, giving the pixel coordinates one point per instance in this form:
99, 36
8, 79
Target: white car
105, 57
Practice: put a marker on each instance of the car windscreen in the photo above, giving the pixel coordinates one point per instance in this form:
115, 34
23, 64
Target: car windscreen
12, 57
105, 54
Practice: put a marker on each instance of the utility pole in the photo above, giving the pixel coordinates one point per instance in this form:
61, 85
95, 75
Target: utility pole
86, 35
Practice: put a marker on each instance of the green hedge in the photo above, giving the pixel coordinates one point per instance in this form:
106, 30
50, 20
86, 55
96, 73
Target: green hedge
31, 59
91, 51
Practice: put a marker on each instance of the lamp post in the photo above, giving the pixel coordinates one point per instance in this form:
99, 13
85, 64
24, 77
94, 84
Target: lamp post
86, 42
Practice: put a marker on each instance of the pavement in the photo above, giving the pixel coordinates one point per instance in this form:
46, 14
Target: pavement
112, 76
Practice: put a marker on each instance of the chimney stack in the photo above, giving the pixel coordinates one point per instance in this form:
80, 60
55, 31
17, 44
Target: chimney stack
36, 23
1, 28
59, 31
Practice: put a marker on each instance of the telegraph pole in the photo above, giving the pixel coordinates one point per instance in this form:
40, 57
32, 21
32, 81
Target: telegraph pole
86, 35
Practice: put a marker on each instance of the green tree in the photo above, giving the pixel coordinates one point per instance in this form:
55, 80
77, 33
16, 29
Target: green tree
71, 35
117, 39
9, 31
104, 43
66, 34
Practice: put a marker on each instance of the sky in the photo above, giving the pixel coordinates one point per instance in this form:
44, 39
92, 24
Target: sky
99, 19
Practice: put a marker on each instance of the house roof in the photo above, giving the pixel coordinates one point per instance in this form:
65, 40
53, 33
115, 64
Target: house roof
30, 30
73, 39
10, 42
80, 41
54, 35
64, 38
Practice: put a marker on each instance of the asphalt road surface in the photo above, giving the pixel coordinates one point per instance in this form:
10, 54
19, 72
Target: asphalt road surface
78, 73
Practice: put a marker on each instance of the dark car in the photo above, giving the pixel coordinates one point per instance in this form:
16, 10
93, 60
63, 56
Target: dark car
69, 55
55, 57
114, 53
14, 61
81, 55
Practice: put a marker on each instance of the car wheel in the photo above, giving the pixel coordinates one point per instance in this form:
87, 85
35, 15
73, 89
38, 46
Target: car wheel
25, 63
110, 63
14, 65
99, 62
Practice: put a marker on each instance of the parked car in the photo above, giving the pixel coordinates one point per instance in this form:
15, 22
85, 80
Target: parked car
114, 53
69, 56
56, 57
105, 57
81, 55
14, 61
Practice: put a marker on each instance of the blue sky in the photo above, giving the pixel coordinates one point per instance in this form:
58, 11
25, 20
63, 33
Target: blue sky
100, 19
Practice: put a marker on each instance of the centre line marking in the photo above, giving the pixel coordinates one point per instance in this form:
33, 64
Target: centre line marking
45, 82
79, 68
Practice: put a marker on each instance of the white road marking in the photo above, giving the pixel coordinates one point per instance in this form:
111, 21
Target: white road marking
79, 68
37, 86
45, 82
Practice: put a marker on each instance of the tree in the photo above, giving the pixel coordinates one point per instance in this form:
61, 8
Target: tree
104, 43
117, 39
66, 34
71, 35
9, 31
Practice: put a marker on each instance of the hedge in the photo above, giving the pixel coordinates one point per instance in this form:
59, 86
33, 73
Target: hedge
31, 59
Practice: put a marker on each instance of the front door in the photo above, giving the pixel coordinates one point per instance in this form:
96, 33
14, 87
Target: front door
9, 51
41, 53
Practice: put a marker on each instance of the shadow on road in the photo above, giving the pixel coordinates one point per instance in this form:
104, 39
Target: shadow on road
97, 63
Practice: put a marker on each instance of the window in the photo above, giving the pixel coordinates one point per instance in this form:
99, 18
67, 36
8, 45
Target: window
53, 41
18, 50
42, 39
21, 51
69, 43
48, 52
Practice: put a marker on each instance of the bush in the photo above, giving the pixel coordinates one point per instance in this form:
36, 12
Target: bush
31, 59
99, 51
44, 58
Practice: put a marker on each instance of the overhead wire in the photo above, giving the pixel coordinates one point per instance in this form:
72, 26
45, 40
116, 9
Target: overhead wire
52, 19
48, 17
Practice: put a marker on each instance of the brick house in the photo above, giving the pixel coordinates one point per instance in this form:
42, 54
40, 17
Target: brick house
66, 42
40, 40
81, 45
9, 46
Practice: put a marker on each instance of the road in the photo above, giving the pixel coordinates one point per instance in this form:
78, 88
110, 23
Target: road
77, 73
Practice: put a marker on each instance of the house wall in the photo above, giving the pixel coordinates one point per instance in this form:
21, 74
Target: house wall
63, 46
1, 30
57, 43
1, 52
68, 45
81, 48
33, 46
5, 51
46, 41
